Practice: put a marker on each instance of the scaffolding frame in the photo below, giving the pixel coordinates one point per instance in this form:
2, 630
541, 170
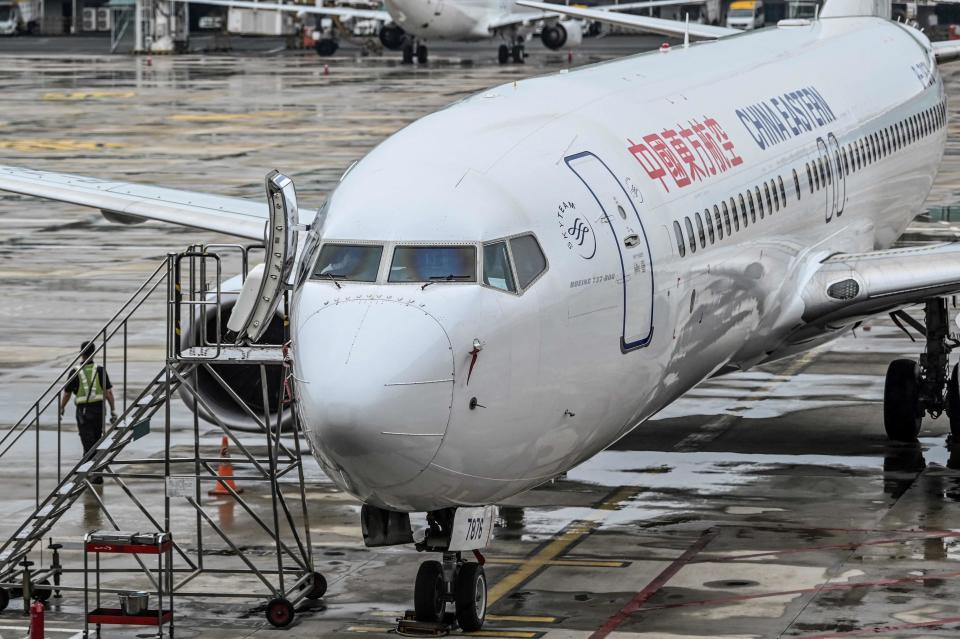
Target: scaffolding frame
189, 302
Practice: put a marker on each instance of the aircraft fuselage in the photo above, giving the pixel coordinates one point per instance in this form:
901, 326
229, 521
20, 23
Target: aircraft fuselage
417, 398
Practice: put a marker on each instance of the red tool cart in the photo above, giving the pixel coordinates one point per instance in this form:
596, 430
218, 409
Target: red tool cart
131, 609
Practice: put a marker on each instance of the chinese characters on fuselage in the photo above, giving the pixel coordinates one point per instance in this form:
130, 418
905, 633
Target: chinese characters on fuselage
679, 156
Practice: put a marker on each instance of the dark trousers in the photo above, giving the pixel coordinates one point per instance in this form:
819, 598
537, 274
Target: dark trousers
90, 424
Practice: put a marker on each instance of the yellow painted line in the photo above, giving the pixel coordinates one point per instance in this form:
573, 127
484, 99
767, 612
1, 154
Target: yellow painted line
51, 144
228, 117
521, 619
88, 95
581, 563
369, 629
573, 533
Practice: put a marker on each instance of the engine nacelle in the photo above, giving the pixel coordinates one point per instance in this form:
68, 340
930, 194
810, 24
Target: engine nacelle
244, 380
393, 37
560, 35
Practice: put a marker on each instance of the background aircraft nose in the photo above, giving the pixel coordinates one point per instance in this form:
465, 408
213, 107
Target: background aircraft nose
375, 380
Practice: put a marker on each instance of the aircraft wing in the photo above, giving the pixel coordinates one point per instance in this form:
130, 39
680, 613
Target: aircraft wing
642, 23
342, 12
849, 286
121, 201
629, 6
526, 17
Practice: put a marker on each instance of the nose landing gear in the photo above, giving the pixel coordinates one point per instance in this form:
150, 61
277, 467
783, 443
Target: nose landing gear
452, 532
453, 581
912, 389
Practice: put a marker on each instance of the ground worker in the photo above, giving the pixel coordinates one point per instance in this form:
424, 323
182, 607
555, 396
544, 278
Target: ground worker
90, 384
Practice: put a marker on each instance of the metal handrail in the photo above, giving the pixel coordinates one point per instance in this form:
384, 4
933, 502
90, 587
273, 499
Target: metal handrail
39, 405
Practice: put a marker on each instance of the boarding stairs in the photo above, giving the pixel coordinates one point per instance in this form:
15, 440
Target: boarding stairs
132, 424
181, 284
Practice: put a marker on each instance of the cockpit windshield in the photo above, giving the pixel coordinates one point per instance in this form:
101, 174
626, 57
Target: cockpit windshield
434, 264
348, 262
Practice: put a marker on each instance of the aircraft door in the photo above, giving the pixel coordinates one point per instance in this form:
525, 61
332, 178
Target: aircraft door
840, 184
826, 179
615, 209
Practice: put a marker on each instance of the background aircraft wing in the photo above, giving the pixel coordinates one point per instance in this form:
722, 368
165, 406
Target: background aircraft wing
526, 17
850, 286
123, 200
642, 23
342, 12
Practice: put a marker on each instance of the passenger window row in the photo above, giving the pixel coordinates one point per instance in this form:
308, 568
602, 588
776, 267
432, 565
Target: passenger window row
722, 220
875, 146
727, 217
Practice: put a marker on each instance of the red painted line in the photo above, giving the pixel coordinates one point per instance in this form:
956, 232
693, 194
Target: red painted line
656, 584
848, 546
804, 591
874, 630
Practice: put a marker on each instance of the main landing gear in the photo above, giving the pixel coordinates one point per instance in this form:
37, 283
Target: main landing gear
930, 386
413, 48
517, 53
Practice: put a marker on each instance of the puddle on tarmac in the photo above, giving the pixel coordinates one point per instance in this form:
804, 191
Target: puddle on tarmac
762, 395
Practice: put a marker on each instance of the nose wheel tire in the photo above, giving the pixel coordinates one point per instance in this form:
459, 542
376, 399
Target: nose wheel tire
422, 53
408, 53
518, 54
901, 401
280, 612
429, 594
470, 597
503, 54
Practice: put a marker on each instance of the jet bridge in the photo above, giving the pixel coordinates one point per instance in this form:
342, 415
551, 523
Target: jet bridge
158, 463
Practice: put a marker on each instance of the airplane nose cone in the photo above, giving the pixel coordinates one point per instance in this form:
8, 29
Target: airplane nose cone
375, 381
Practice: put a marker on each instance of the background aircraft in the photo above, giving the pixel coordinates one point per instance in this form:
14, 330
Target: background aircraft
409, 24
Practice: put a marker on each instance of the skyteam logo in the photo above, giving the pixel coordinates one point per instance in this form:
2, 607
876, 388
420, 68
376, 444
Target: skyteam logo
577, 231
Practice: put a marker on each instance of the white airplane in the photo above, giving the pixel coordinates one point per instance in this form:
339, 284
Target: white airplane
409, 24
506, 287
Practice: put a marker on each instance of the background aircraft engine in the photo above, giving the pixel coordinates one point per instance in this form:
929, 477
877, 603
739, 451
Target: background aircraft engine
393, 37
244, 380
558, 35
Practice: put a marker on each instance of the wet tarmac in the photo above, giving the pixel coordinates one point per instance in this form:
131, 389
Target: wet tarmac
762, 504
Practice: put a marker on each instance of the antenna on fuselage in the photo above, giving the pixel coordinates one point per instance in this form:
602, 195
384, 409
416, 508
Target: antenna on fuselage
686, 30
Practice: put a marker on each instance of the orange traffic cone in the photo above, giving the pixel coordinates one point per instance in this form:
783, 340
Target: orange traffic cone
225, 471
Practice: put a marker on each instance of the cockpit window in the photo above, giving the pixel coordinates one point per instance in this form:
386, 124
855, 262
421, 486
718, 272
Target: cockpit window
496, 267
434, 264
529, 259
349, 262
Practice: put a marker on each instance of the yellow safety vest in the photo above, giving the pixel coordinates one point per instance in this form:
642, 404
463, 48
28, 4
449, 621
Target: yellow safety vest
89, 389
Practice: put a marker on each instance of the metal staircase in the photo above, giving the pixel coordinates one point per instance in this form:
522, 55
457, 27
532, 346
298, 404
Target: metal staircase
181, 284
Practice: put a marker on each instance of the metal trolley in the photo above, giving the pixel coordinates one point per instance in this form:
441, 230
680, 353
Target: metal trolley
136, 544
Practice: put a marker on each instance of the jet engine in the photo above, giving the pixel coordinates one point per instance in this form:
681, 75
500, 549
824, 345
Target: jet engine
392, 36
559, 35
217, 403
